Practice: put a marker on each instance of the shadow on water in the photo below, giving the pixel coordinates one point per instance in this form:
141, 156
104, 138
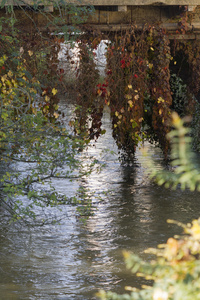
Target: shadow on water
73, 260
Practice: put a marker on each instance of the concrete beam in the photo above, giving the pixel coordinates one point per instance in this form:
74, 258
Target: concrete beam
134, 2
122, 8
48, 8
109, 2
192, 7
170, 27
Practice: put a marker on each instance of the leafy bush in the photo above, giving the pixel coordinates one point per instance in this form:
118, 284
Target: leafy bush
175, 272
35, 146
186, 173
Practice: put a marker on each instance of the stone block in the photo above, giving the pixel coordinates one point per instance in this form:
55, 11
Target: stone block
122, 8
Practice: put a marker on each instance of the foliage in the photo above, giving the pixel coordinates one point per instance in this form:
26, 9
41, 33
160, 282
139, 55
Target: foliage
126, 76
185, 170
174, 273
35, 147
90, 94
144, 83
186, 53
138, 84
195, 127
135, 86
179, 95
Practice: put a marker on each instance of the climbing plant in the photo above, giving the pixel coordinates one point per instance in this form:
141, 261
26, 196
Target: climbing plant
138, 84
126, 78
89, 108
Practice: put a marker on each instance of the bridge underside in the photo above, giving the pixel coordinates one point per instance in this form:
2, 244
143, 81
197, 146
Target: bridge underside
117, 17
168, 17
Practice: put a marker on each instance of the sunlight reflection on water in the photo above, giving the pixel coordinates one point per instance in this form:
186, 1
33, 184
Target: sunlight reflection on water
73, 260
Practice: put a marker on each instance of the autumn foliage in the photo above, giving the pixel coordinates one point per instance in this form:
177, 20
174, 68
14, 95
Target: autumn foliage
137, 85
173, 274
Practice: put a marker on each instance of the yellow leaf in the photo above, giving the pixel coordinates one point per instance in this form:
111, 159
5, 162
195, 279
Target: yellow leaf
54, 91
130, 102
159, 294
150, 66
129, 97
46, 98
195, 230
56, 115
176, 120
160, 111
161, 100
30, 52
130, 86
10, 73
172, 247
3, 78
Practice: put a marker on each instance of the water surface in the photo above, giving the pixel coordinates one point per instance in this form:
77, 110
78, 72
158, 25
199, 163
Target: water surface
74, 259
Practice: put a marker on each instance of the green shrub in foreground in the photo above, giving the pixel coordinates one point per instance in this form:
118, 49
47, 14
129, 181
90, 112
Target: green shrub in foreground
175, 271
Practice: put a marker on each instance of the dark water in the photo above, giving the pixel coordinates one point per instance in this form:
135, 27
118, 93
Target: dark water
73, 260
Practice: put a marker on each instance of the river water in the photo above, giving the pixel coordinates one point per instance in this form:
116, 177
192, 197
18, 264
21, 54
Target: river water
73, 260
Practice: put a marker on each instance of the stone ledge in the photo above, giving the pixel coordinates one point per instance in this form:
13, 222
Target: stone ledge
189, 3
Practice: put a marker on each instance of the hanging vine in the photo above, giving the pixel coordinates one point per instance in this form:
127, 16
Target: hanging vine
160, 88
126, 76
136, 86
89, 109
138, 70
